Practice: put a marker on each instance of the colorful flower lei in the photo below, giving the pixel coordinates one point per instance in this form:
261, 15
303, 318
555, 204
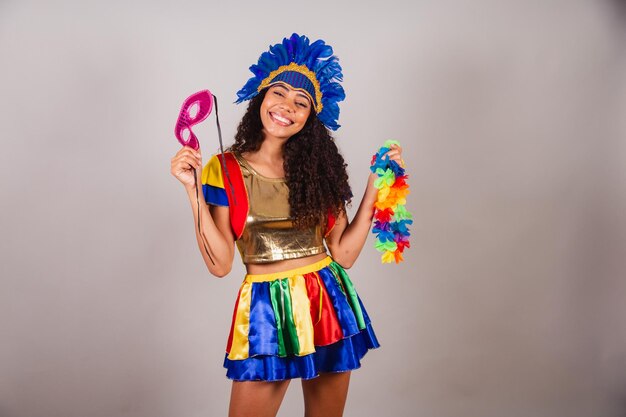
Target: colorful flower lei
391, 216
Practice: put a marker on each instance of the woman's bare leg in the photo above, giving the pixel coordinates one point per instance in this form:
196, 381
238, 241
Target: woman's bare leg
256, 398
325, 396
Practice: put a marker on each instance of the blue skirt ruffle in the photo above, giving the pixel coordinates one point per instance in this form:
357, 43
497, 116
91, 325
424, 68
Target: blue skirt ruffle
344, 355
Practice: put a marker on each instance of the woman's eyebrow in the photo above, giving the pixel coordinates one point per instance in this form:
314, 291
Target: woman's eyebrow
304, 96
281, 86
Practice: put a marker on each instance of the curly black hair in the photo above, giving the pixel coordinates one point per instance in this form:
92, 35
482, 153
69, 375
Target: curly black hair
315, 171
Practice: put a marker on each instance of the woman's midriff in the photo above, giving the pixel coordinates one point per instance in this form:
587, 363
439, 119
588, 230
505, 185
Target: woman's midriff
278, 266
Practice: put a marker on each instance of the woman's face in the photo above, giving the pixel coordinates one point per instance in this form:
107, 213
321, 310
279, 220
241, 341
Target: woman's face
284, 111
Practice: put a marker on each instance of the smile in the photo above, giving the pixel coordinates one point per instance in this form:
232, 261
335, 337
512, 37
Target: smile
280, 120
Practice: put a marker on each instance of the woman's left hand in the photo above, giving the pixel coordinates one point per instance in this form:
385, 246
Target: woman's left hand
395, 154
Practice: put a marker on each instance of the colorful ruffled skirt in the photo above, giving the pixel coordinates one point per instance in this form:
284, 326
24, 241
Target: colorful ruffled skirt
296, 324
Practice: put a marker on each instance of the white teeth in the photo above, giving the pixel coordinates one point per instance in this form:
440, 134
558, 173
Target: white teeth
281, 119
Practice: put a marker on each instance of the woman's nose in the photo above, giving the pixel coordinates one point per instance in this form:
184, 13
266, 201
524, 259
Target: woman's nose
289, 105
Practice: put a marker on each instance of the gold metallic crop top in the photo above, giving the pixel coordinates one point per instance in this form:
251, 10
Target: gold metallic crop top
269, 234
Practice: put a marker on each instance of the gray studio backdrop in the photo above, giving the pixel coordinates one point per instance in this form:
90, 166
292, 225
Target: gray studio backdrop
511, 301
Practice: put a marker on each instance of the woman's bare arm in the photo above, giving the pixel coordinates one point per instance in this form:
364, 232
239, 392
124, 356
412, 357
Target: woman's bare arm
220, 242
214, 222
347, 239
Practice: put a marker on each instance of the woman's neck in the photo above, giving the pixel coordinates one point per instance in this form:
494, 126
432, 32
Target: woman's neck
271, 151
268, 160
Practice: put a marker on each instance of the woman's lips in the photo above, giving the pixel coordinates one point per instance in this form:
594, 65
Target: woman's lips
280, 120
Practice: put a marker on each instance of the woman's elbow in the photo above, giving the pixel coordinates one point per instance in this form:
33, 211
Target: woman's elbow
344, 260
220, 264
220, 271
345, 264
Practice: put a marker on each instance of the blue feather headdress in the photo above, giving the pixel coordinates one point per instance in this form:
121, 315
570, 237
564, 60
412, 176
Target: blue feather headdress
310, 68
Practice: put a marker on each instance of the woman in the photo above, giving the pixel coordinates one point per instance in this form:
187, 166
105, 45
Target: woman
280, 194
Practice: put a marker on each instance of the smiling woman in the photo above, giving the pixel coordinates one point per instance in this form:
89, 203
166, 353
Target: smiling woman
279, 195
284, 111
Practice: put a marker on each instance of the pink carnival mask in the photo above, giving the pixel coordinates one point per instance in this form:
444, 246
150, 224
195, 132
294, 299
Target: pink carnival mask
204, 101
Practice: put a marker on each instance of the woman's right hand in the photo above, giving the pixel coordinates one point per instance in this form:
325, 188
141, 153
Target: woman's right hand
183, 164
